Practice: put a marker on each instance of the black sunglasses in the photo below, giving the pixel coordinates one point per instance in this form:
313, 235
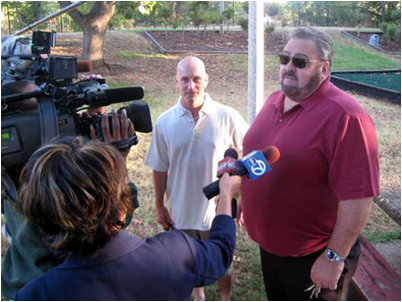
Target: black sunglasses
296, 61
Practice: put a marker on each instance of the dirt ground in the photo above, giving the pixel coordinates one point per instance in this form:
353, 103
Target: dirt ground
236, 41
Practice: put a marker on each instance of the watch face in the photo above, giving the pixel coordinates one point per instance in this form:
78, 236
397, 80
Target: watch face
331, 255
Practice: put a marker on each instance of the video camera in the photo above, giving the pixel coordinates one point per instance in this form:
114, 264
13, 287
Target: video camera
59, 102
60, 70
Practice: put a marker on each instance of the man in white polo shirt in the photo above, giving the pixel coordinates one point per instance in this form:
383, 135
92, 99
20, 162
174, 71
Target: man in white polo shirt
188, 141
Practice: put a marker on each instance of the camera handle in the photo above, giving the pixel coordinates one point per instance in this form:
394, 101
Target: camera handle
125, 144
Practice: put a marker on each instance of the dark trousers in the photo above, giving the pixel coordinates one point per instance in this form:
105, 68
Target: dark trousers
286, 278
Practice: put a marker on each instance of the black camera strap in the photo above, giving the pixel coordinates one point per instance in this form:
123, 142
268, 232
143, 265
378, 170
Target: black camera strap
125, 144
48, 119
7, 185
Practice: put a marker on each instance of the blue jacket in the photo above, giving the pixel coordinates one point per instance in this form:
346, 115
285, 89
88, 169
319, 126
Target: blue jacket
165, 267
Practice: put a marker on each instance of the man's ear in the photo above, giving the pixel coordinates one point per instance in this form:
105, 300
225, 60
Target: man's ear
206, 80
326, 68
176, 80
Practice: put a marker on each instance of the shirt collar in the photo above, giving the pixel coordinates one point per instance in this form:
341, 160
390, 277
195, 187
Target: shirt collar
207, 106
310, 101
317, 96
119, 245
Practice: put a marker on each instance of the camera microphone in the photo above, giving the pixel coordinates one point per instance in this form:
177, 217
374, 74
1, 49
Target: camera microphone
116, 95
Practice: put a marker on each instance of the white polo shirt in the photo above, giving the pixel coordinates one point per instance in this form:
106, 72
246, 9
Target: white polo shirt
190, 153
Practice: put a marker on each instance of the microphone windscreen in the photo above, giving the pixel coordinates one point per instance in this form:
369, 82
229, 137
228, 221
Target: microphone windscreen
84, 66
124, 94
231, 153
228, 164
272, 154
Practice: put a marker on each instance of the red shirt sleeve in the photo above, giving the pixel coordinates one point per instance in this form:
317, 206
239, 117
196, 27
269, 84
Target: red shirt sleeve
354, 167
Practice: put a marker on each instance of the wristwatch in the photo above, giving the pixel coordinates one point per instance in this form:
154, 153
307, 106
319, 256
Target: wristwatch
333, 256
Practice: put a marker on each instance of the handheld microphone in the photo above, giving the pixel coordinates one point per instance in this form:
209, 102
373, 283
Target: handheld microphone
228, 163
254, 165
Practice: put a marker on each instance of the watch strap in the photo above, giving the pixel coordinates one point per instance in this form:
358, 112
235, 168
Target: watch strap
333, 256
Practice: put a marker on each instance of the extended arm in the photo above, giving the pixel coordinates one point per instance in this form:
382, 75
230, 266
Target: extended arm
351, 219
228, 187
215, 255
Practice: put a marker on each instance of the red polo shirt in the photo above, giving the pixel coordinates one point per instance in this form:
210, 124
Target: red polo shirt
329, 152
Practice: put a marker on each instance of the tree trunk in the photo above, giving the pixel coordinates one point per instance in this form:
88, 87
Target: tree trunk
94, 26
93, 46
383, 11
177, 9
8, 19
37, 9
182, 33
298, 19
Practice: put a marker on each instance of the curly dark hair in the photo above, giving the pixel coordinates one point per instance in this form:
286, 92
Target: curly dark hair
76, 191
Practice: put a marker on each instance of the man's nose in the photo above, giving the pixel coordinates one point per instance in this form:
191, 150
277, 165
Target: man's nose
191, 85
290, 66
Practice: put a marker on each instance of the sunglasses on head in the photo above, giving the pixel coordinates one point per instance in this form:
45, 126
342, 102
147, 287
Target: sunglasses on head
298, 62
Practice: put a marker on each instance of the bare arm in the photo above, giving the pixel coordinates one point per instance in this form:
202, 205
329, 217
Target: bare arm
228, 186
351, 219
163, 216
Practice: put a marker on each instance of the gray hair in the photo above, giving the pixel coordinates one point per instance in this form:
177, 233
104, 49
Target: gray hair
322, 40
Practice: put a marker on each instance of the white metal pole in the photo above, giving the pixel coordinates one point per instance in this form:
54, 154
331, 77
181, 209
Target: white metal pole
51, 16
221, 9
255, 58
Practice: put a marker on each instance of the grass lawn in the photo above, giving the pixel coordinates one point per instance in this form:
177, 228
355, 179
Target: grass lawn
352, 58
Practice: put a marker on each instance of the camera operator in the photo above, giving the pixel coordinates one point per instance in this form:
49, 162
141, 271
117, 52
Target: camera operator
84, 218
26, 258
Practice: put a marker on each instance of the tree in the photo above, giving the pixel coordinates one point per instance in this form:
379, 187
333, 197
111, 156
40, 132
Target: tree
198, 12
165, 13
214, 18
228, 14
128, 13
183, 20
272, 10
10, 12
94, 25
177, 8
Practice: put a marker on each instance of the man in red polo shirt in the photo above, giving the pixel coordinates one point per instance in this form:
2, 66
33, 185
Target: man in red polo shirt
309, 211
